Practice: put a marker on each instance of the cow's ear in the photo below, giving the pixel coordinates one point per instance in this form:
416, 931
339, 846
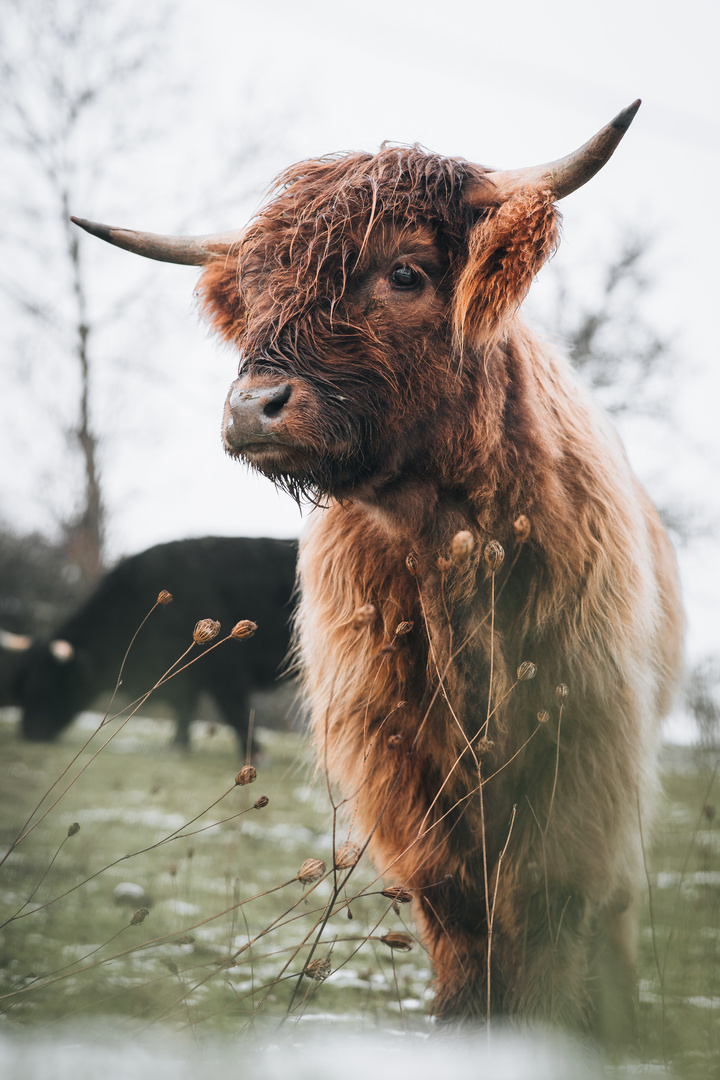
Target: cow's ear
220, 299
506, 248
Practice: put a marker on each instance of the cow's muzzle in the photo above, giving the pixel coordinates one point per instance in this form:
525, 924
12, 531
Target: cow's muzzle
255, 416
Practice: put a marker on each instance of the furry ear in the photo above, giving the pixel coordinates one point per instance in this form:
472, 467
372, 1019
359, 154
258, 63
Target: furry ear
220, 300
506, 248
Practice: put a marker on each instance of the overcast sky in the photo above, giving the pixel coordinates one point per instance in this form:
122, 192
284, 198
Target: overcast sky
504, 84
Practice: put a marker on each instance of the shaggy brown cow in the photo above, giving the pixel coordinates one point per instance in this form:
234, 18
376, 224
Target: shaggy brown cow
479, 519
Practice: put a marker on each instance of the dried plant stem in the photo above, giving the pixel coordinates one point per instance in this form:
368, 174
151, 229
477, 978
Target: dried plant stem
660, 970
491, 917
486, 725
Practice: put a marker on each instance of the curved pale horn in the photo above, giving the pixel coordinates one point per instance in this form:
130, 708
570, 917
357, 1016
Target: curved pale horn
563, 176
187, 250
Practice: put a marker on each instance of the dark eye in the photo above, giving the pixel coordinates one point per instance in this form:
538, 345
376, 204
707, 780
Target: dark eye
404, 277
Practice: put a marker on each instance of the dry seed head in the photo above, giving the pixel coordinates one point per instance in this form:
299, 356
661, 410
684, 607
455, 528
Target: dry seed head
561, 691
412, 563
164, 597
346, 856
261, 802
394, 741
247, 775
444, 564
527, 670
397, 940
364, 616
403, 628
494, 555
243, 629
171, 966
185, 939
543, 716
522, 528
398, 894
317, 969
484, 746
462, 546
74, 829
311, 870
205, 630
140, 915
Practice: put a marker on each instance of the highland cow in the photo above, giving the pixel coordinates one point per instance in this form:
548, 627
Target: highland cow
479, 525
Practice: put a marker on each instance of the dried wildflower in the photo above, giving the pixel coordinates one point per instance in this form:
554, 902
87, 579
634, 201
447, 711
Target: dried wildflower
243, 629
444, 564
522, 528
364, 616
74, 829
397, 940
543, 716
311, 870
394, 741
261, 802
398, 893
317, 969
462, 546
164, 597
387, 650
247, 775
561, 691
484, 746
140, 915
494, 555
185, 939
205, 630
346, 855
412, 563
527, 670
171, 966
403, 628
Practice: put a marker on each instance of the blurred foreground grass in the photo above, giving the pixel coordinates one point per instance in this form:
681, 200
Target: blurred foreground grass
188, 965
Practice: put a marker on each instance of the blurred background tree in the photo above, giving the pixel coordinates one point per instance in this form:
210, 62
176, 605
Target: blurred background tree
75, 78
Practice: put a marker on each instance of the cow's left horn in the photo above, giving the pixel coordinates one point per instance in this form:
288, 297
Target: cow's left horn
561, 177
187, 250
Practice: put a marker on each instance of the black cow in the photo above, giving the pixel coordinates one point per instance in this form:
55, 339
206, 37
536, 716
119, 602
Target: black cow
213, 578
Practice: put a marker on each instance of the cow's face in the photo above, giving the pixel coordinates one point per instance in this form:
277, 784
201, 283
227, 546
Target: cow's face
336, 398
49, 689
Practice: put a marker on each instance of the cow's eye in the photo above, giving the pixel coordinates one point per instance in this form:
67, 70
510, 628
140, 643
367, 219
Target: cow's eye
404, 277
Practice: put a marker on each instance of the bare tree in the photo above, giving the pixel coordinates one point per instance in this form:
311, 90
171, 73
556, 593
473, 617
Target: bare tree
72, 78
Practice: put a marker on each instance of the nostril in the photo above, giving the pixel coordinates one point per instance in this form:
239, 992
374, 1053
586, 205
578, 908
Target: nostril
277, 400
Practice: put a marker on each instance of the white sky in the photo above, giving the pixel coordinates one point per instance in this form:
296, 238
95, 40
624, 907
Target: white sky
504, 84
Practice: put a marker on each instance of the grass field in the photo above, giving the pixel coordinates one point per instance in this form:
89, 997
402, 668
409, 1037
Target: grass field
229, 927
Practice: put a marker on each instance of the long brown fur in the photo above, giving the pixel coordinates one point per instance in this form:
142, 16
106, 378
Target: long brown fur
414, 416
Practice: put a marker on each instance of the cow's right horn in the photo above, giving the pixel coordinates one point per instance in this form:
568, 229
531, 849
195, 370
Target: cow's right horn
186, 250
560, 177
